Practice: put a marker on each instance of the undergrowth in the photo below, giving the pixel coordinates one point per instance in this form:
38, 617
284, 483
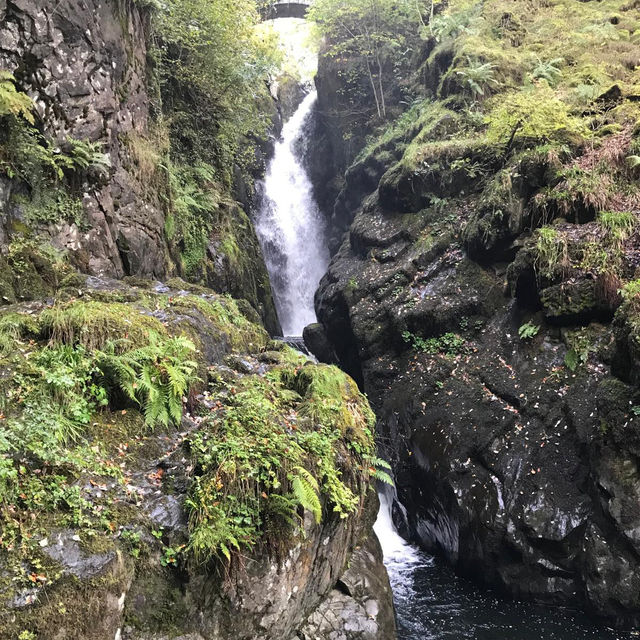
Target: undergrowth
300, 438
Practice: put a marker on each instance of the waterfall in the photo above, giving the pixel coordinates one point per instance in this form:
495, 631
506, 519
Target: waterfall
400, 558
290, 227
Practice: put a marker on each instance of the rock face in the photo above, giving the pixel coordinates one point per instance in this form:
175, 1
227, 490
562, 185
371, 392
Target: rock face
515, 457
521, 472
85, 66
131, 574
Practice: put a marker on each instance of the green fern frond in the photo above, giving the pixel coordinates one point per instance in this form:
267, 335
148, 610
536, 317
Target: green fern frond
12, 101
382, 476
156, 376
378, 462
305, 489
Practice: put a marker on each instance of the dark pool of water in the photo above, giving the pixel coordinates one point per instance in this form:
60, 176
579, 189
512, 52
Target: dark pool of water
434, 604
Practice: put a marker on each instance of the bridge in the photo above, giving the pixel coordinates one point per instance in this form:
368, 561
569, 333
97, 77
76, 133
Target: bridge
286, 10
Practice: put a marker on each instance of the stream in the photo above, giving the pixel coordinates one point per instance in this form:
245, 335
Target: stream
431, 602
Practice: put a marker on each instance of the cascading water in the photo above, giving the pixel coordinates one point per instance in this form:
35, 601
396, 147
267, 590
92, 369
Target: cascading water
290, 227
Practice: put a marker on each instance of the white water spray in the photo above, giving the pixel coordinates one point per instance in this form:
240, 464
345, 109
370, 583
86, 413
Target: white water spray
290, 227
400, 558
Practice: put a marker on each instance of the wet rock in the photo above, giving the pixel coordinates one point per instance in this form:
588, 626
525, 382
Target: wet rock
167, 512
517, 469
315, 339
359, 607
64, 547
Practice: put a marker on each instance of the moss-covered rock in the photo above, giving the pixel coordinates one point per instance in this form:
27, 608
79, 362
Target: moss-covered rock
154, 445
491, 228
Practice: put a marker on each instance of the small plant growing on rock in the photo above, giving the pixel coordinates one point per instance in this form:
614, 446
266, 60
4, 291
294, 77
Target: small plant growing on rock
13, 102
528, 331
551, 252
156, 375
548, 70
477, 77
631, 291
306, 490
449, 344
619, 225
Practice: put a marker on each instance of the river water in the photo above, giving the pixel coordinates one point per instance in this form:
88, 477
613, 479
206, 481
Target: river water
432, 603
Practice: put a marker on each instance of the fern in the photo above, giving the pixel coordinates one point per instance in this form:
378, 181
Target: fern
155, 376
84, 155
378, 463
549, 70
12, 101
382, 476
376, 466
306, 491
477, 76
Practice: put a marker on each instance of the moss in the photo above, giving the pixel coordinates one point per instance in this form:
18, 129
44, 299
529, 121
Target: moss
155, 603
533, 116
79, 609
114, 429
332, 398
224, 314
7, 292
91, 324
570, 300
181, 285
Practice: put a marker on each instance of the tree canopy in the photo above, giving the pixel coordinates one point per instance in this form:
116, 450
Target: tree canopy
375, 32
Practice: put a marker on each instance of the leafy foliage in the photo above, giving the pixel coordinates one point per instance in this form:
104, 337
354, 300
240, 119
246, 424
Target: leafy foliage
156, 375
213, 68
12, 101
449, 344
277, 443
305, 489
373, 32
548, 70
528, 331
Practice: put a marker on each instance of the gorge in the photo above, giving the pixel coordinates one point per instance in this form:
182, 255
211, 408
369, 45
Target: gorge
449, 219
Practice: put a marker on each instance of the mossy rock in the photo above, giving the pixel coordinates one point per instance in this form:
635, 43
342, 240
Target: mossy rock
92, 324
7, 292
77, 608
574, 302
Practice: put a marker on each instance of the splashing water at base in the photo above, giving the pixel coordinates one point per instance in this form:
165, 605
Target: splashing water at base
432, 603
290, 227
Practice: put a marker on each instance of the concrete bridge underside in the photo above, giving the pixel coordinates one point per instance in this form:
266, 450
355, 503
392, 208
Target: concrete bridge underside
286, 10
